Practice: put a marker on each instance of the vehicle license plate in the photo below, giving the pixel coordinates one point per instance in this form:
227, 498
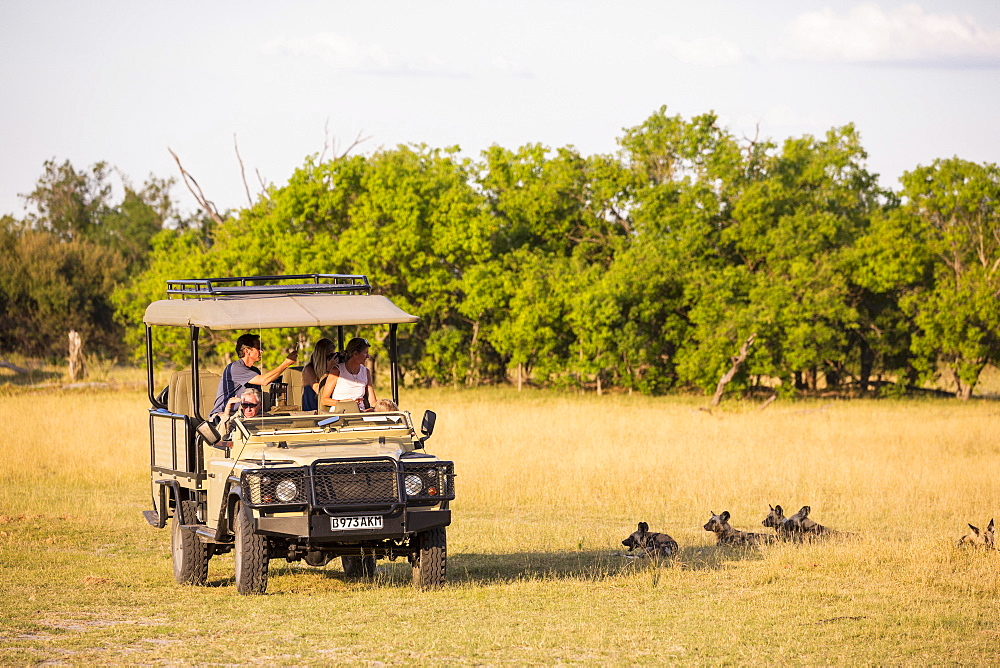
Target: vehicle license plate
357, 522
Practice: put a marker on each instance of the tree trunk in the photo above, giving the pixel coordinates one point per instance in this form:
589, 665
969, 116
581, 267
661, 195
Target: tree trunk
867, 362
76, 366
519, 368
737, 361
598, 384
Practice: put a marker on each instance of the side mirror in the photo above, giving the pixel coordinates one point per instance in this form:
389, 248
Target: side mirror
208, 432
427, 426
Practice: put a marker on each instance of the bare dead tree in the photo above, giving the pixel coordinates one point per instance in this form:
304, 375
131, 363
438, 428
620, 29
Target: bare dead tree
243, 171
359, 139
192, 185
326, 139
737, 362
77, 369
13, 367
770, 400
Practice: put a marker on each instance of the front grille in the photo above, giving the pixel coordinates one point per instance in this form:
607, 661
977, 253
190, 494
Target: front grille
437, 480
282, 486
356, 482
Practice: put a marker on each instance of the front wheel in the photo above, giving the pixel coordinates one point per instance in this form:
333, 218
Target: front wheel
358, 567
250, 554
430, 559
189, 555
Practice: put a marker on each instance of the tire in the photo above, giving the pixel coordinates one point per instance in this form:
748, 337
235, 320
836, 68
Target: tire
430, 560
358, 567
189, 555
250, 554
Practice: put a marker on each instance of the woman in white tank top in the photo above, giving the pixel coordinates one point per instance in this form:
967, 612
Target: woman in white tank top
350, 380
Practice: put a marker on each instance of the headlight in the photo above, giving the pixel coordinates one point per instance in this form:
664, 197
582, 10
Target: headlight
286, 490
413, 485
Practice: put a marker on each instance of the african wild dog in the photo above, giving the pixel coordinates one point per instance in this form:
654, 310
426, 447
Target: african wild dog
800, 523
725, 534
776, 520
651, 543
978, 538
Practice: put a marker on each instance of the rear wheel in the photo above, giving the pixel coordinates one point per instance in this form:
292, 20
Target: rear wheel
358, 567
189, 555
430, 560
250, 554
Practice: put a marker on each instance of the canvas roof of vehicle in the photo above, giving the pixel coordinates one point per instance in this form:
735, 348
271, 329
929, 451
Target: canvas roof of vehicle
259, 312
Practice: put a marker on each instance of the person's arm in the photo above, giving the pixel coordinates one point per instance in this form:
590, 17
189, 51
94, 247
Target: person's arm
331, 382
268, 377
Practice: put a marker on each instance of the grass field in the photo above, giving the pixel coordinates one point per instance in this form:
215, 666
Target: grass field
548, 486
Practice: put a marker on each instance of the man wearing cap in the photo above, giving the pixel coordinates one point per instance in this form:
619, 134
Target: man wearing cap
242, 373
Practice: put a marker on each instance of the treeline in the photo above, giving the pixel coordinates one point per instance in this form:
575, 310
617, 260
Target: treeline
647, 270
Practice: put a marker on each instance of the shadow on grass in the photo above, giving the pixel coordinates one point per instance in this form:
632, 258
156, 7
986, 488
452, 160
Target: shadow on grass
32, 377
480, 569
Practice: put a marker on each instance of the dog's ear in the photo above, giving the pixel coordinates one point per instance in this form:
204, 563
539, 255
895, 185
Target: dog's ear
724, 516
770, 506
643, 527
990, 527
778, 510
974, 529
804, 511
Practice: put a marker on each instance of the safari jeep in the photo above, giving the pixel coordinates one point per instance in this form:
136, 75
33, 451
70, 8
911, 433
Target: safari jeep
299, 485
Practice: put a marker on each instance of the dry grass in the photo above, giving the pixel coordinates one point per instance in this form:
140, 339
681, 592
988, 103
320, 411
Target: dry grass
548, 487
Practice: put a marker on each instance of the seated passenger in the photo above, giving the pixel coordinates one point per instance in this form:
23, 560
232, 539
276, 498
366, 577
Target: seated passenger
385, 406
242, 373
314, 373
247, 405
350, 379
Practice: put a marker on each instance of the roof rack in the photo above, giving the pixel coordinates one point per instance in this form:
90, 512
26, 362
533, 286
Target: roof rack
205, 288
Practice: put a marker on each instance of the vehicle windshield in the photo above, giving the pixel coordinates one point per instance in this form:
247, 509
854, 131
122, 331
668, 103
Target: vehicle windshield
324, 423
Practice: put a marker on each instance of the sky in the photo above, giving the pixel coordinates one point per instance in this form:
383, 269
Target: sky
124, 81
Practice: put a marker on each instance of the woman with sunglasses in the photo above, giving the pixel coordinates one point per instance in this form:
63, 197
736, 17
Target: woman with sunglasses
350, 380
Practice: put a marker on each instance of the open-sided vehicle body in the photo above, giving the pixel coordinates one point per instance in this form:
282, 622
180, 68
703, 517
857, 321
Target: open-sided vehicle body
291, 484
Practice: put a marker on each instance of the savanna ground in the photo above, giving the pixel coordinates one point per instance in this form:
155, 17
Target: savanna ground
548, 486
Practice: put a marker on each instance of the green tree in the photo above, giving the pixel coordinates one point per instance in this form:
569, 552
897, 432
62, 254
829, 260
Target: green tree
951, 208
49, 286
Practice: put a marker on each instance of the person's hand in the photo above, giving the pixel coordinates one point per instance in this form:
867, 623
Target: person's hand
293, 355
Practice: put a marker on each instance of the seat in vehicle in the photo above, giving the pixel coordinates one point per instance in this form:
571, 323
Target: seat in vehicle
179, 395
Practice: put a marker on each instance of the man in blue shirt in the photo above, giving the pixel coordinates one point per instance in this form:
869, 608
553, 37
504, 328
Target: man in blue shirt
242, 373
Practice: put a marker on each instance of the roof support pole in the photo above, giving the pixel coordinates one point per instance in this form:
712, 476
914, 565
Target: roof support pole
149, 369
394, 363
340, 339
195, 382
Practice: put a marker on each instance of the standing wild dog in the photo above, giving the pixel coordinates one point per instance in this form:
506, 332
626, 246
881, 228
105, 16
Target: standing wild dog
978, 538
727, 535
776, 520
801, 524
651, 543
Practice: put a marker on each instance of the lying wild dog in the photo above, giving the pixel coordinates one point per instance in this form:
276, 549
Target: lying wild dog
978, 538
651, 543
725, 534
801, 524
776, 520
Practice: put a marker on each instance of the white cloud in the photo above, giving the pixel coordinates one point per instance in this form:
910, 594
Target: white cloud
334, 50
344, 53
907, 36
711, 51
